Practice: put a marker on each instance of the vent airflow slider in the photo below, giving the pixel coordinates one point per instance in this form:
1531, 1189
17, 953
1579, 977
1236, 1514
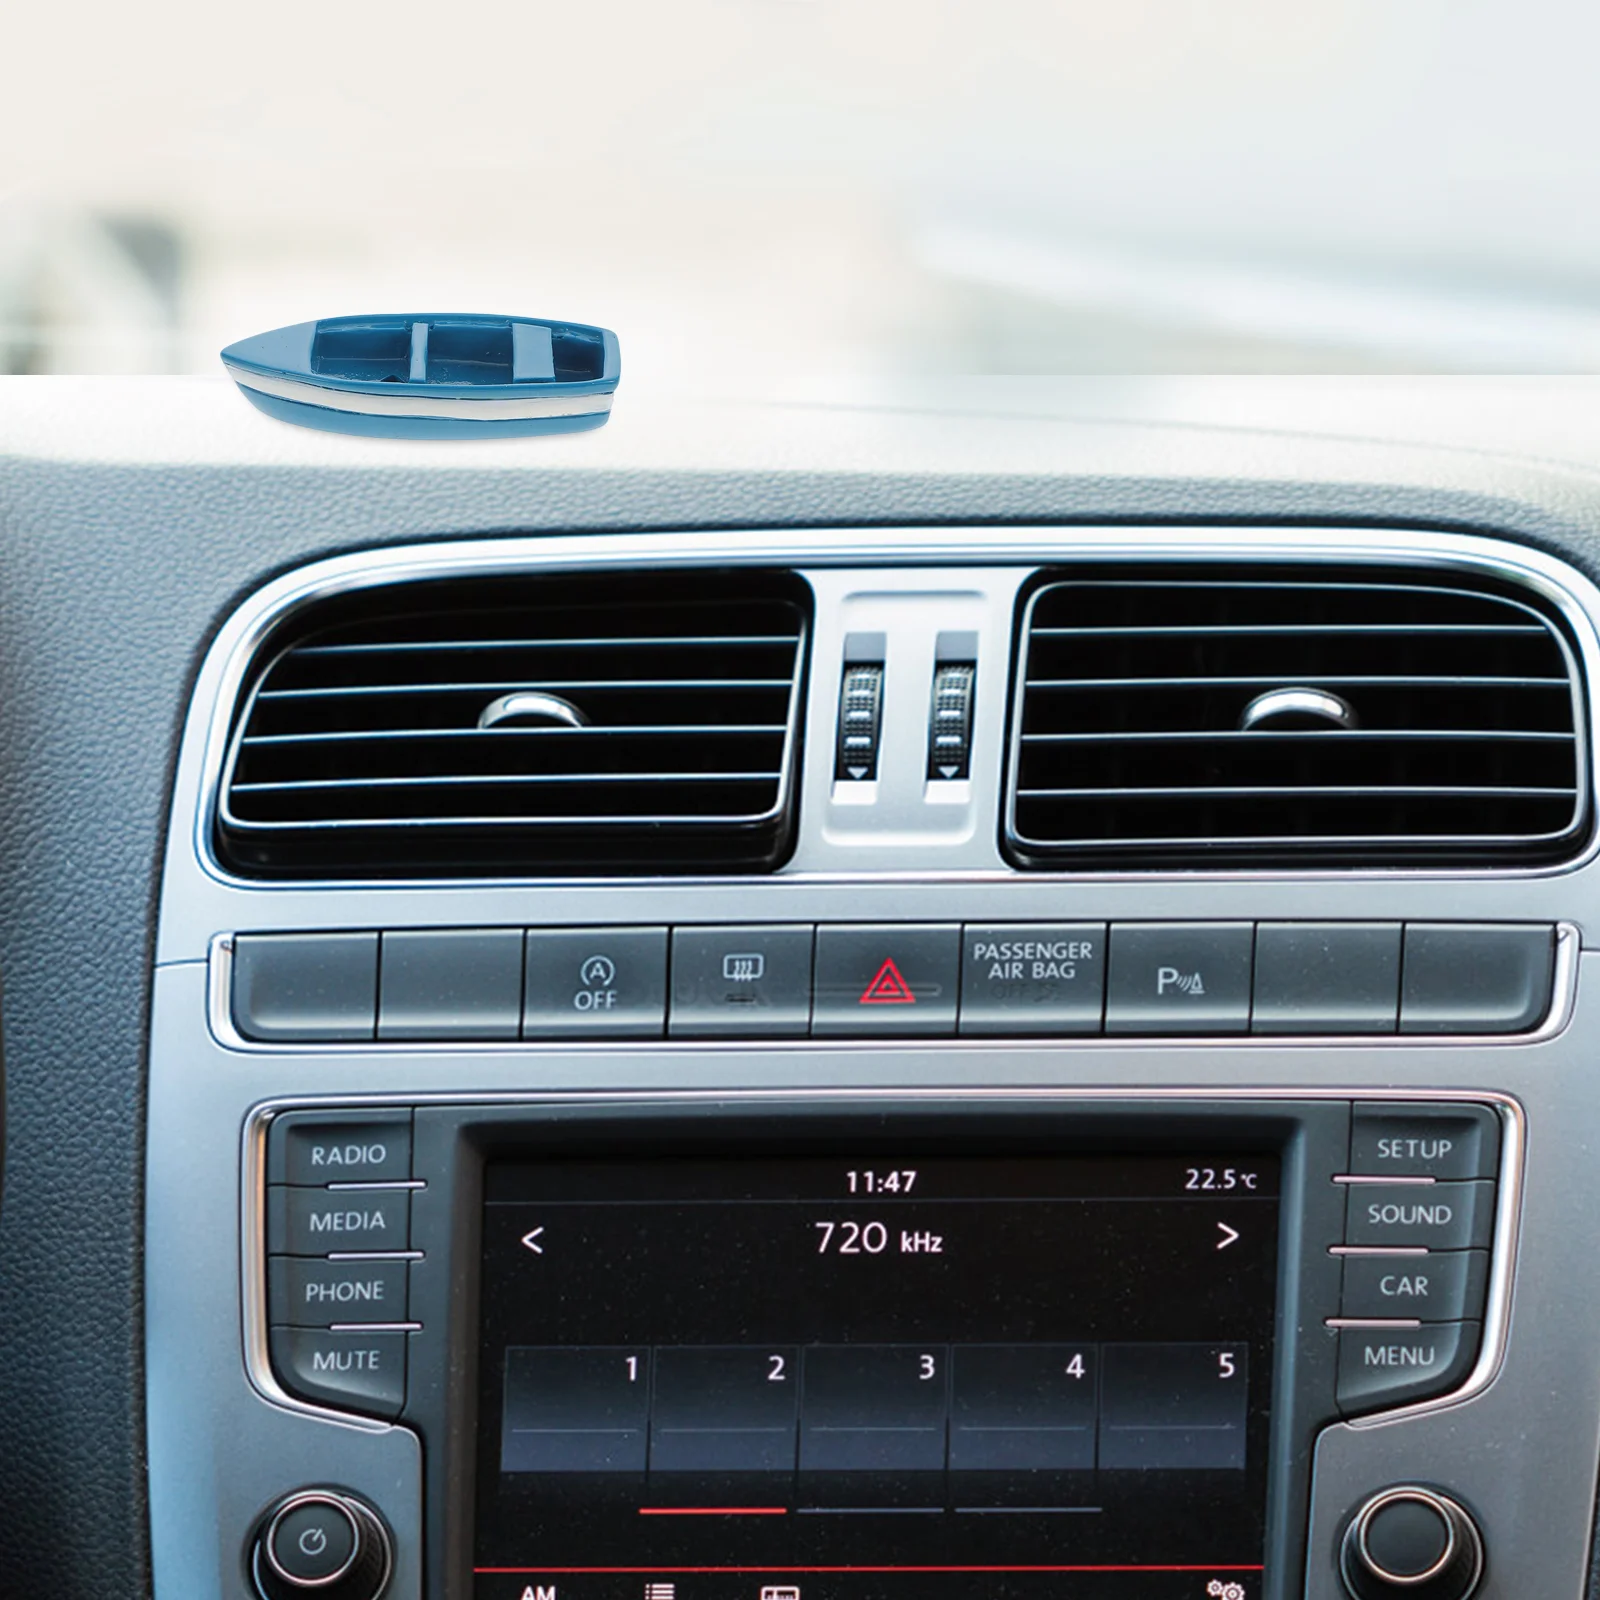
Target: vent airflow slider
630, 722
1200, 716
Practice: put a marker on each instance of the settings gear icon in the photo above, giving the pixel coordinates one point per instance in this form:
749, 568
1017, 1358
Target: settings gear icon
1218, 1590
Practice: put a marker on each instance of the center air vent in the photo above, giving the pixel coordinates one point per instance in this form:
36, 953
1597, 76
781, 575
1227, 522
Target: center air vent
1201, 716
624, 723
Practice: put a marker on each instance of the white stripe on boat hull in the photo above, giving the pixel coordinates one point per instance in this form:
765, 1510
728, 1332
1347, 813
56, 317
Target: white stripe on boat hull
423, 405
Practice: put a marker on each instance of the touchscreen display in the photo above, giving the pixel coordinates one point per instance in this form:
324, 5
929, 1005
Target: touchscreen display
841, 1379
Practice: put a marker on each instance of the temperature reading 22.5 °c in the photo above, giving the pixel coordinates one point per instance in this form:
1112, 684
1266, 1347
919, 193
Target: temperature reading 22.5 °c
1218, 1178
900, 1182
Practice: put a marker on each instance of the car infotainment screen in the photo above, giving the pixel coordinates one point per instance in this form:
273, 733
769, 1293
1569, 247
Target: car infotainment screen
900, 1377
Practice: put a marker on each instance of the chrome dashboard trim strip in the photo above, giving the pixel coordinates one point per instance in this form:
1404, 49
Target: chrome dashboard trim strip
1564, 993
224, 672
253, 1207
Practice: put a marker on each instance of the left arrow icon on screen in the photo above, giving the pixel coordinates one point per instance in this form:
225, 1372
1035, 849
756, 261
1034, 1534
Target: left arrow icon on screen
531, 1240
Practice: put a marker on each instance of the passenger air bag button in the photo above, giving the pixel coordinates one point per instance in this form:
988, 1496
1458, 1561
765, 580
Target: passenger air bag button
1444, 1286
1425, 1142
463, 983
364, 1372
320, 1222
1476, 978
1326, 977
741, 982
1033, 978
318, 1147
317, 987
1436, 1216
596, 983
318, 1294
1383, 1367
1177, 977
897, 979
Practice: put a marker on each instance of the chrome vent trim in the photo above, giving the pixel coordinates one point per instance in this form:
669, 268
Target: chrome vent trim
1136, 738
569, 723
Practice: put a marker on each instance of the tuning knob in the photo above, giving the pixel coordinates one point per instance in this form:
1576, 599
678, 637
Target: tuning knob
321, 1542
1413, 1542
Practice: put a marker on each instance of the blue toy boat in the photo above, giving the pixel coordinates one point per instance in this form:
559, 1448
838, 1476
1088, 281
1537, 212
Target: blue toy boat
431, 377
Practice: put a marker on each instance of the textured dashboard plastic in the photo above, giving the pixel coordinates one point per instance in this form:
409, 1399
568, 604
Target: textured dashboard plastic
133, 514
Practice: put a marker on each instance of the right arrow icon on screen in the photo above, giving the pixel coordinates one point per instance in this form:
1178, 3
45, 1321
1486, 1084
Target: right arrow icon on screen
1228, 1235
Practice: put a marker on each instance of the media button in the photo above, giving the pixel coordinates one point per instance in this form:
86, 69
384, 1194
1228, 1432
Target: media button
1382, 1367
596, 983
362, 1372
1424, 1142
1033, 978
741, 982
1179, 977
1443, 1286
320, 1222
899, 978
1436, 1216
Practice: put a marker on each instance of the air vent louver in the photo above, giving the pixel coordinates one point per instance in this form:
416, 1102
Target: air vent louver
625, 723
1206, 716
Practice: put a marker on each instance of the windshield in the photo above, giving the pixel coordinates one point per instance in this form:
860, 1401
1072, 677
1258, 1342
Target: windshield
822, 192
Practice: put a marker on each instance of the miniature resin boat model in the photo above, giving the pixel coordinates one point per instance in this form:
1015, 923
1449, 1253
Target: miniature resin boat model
431, 377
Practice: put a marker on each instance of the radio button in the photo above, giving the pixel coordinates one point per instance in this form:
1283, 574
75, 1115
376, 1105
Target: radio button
1384, 1367
320, 1222
362, 1372
1420, 1142
1176, 977
901, 978
318, 1294
1445, 1286
596, 983
1436, 1216
741, 982
1033, 978
317, 1147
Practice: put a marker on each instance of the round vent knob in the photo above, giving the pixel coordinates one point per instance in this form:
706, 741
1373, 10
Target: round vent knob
321, 1542
1410, 1541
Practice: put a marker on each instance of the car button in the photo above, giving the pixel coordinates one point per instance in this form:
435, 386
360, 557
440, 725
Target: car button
1421, 1142
465, 983
741, 982
363, 1372
1326, 977
1381, 1367
1033, 978
339, 1147
1443, 1286
897, 979
321, 1294
320, 987
320, 1222
596, 983
1484, 978
1436, 1216
1179, 977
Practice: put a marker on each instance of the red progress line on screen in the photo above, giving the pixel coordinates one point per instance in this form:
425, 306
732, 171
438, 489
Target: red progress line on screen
778, 1568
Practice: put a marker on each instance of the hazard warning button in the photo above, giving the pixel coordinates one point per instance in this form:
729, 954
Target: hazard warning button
895, 978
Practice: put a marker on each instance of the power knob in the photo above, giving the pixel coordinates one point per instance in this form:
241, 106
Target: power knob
323, 1543
1413, 1542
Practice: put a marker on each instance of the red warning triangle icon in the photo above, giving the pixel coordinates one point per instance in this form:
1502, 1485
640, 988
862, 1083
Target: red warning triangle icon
888, 988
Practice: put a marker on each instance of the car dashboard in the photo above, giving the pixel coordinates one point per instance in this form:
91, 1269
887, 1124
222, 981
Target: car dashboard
974, 991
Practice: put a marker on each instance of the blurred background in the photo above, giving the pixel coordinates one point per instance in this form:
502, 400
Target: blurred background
823, 192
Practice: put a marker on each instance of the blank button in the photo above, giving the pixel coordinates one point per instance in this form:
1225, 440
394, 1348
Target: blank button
1327, 977
462, 984
1483, 978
